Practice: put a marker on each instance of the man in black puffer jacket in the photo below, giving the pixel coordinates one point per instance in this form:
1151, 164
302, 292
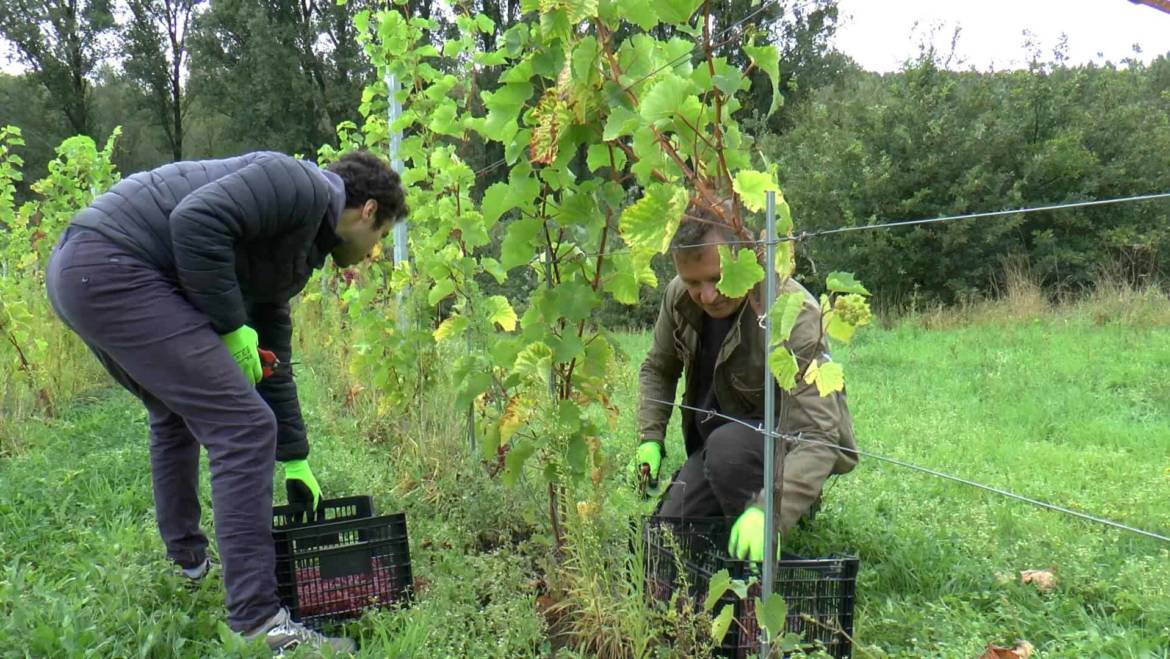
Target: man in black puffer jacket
174, 278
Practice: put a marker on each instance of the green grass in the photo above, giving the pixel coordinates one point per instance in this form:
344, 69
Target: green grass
1068, 407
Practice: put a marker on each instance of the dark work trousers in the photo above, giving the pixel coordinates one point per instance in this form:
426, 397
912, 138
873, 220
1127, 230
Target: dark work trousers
162, 349
720, 479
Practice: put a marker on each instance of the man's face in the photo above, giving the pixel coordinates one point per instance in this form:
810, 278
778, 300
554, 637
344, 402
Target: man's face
359, 233
699, 269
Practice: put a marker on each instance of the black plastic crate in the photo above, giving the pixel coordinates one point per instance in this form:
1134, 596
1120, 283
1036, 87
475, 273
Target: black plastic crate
819, 592
342, 563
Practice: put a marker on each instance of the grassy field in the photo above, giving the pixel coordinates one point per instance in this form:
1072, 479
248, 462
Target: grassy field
1070, 406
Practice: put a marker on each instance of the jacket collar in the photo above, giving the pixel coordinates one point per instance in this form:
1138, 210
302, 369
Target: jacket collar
685, 307
327, 238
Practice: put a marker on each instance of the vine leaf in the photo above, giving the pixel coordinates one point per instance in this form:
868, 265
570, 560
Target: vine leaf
665, 98
783, 314
551, 117
440, 291
499, 311
752, 187
534, 362
716, 586
573, 300
649, 223
677, 11
620, 122
784, 367
722, 622
767, 58
452, 326
844, 282
838, 329
519, 242
514, 462
771, 613
740, 273
641, 14
828, 376
630, 270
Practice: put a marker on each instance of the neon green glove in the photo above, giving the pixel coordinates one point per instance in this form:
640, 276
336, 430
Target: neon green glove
301, 485
747, 535
649, 453
243, 343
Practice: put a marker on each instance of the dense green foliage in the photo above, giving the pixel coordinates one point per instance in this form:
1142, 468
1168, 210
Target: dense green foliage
929, 142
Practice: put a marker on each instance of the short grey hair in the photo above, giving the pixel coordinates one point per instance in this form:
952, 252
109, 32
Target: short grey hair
698, 224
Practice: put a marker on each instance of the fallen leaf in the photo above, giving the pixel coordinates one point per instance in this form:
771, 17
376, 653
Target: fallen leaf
1044, 580
1023, 650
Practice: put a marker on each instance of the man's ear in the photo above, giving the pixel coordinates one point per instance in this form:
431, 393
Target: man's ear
370, 210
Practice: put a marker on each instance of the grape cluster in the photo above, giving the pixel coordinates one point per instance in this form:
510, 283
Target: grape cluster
853, 309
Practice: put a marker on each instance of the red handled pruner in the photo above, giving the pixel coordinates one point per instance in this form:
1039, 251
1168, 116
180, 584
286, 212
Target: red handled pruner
270, 363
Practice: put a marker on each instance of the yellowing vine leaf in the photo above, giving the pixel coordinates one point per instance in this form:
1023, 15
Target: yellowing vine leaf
517, 413
752, 188
838, 329
452, 326
552, 118
649, 223
784, 367
1023, 650
1044, 580
828, 376
499, 311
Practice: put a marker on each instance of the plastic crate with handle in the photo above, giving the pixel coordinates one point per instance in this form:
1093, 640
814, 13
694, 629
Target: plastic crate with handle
341, 562
819, 592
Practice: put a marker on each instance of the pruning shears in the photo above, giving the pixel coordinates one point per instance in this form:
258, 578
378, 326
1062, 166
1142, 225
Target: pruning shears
270, 363
650, 487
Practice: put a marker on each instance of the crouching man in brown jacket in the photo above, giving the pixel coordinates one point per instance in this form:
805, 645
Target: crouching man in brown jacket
718, 342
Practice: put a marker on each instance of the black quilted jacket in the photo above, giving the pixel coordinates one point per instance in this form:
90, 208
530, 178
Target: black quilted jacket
240, 237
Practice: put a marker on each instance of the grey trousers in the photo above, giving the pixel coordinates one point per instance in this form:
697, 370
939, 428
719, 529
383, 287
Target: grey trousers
163, 350
722, 478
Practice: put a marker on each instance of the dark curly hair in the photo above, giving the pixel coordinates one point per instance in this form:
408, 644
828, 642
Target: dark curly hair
366, 177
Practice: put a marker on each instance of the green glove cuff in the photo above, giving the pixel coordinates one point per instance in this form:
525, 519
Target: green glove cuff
298, 469
649, 453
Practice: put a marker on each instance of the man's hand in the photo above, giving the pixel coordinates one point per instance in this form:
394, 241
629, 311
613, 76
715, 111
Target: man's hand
243, 343
747, 535
300, 485
649, 454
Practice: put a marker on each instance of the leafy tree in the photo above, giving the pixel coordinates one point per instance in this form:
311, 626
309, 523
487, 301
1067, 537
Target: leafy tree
154, 45
60, 40
283, 74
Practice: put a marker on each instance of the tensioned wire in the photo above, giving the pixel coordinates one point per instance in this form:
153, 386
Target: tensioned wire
926, 470
904, 223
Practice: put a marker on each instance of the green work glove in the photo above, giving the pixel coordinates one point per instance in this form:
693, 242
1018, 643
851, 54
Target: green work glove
244, 344
649, 453
747, 535
300, 485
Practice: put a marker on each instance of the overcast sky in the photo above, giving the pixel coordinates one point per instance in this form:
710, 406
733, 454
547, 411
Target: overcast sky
880, 35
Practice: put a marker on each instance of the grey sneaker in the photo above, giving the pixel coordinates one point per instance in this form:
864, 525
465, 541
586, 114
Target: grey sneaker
199, 572
282, 633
